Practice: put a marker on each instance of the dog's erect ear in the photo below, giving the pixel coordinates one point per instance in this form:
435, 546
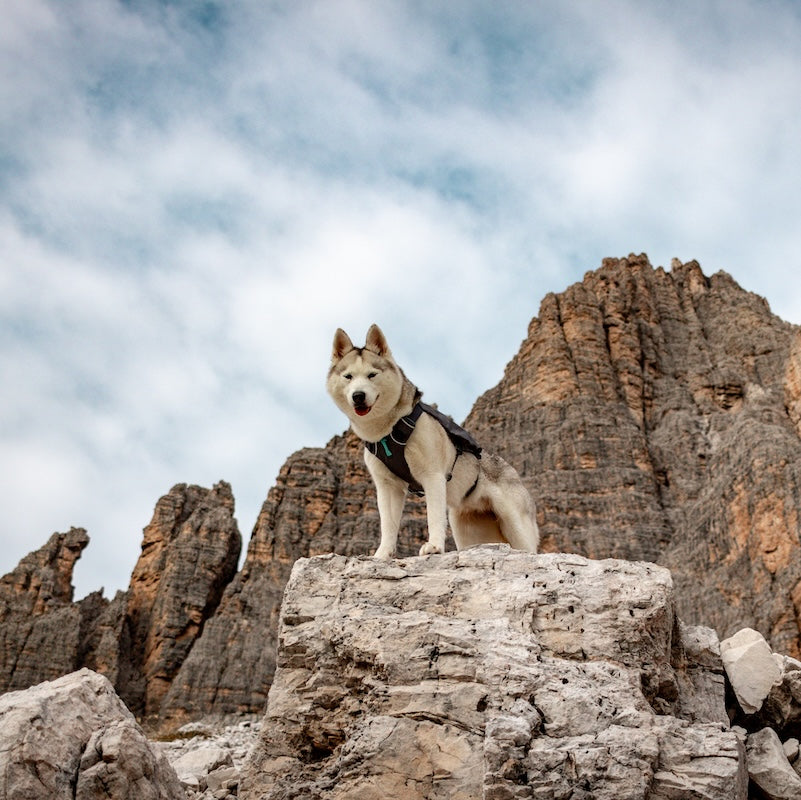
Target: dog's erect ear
376, 342
342, 345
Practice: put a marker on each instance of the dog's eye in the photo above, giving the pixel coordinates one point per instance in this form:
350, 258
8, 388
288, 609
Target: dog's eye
371, 375
347, 376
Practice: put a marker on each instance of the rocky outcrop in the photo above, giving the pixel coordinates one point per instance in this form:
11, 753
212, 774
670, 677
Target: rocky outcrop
765, 705
43, 579
486, 673
189, 555
139, 639
37, 615
792, 383
73, 739
769, 768
491, 673
654, 415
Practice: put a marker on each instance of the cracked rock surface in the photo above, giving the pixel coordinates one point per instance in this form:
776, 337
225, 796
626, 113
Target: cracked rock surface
491, 673
74, 739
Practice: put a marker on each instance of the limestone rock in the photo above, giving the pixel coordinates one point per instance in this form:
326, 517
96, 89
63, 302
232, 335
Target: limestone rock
73, 739
196, 751
752, 670
194, 767
769, 682
782, 707
768, 766
702, 676
792, 383
43, 579
486, 673
790, 748
653, 416
141, 637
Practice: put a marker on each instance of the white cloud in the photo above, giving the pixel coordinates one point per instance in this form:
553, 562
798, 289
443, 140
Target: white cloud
194, 197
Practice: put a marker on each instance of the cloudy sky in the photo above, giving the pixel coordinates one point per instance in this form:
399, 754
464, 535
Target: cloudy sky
195, 194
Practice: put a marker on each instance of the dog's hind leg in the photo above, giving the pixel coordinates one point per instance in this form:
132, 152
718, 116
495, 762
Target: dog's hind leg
472, 528
519, 528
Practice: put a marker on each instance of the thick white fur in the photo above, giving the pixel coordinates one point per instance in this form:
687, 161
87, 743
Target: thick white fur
500, 508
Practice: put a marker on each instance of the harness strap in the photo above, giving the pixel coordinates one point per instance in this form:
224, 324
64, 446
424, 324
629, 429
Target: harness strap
473, 487
391, 449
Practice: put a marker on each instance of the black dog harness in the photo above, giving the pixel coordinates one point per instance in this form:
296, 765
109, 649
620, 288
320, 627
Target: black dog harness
391, 450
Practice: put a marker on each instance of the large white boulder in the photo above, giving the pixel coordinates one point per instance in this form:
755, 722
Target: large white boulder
751, 667
74, 739
769, 768
489, 673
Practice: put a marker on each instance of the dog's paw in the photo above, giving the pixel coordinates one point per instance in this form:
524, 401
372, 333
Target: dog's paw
429, 548
383, 554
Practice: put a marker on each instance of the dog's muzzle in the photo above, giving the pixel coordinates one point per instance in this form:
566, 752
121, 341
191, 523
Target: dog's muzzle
359, 403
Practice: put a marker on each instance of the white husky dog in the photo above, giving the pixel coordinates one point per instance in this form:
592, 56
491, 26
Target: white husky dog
409, 445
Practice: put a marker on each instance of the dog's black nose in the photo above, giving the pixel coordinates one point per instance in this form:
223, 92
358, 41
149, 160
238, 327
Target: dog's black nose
358, 398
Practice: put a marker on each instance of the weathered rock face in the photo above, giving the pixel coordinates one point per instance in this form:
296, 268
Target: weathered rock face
138, 640
655, 415
189, 555
37, 615
43, 579
321, 503
73, 739
491, 673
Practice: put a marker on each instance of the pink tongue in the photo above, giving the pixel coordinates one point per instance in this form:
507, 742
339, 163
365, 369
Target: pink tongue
362, 411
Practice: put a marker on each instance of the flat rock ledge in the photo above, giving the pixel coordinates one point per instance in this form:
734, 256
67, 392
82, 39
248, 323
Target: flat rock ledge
489, 673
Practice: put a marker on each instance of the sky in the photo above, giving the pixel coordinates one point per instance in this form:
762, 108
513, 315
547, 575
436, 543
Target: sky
195, 194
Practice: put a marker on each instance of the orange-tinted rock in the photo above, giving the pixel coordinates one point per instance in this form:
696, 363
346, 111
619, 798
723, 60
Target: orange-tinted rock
647, 411
189, 555
655, 415
40, 626
140, 638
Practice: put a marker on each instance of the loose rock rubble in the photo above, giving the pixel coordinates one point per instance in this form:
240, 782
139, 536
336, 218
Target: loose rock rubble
767, 712
208, 756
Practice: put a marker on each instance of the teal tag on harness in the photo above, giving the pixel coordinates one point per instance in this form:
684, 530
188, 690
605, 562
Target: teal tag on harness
386, 447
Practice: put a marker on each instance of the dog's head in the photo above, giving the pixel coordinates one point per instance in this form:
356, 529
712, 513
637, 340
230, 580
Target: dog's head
364, 381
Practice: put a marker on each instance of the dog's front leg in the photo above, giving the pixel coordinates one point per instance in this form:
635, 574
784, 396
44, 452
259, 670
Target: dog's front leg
390, 496
437, 513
